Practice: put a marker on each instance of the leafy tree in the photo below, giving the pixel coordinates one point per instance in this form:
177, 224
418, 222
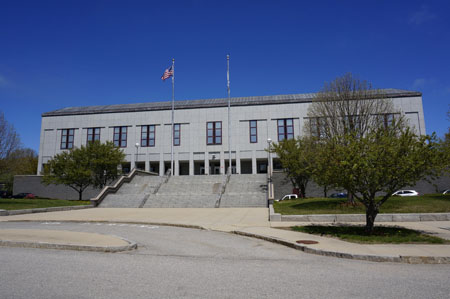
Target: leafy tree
9, 142
445, 146
71, 168
297, 157
19, 162
380, 162
104, 160
91, 165
9, 139
321, 173
14, 159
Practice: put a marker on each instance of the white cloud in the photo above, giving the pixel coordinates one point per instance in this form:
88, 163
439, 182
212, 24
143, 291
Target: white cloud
421, 16
420, 83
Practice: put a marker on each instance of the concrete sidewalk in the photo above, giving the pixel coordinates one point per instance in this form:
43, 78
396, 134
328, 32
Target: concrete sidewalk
254, 222
55, 239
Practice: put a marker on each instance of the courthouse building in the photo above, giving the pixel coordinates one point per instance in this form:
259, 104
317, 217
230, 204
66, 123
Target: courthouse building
200, 143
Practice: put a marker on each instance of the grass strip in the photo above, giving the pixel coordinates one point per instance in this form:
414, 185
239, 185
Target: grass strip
381, 234
24, 203
430, 203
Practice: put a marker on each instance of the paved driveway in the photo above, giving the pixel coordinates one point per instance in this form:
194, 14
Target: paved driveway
176, 262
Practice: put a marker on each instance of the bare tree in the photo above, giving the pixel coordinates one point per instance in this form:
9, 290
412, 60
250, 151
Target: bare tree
9, 139
348, 104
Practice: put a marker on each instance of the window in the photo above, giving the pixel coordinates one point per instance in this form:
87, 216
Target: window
67, 138
352, 123
93, 134
285, 129
253, 131
317, 127
176, 134
214, 132
386, 120
148, 136
120, 136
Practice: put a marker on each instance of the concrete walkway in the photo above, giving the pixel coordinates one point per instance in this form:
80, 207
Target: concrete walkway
254, 222
55, 239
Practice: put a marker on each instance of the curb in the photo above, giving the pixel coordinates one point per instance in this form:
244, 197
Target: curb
124, 222
407, 217
42, 210
131, 245
372, 258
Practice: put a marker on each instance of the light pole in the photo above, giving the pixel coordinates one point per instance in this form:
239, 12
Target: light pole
269, 169
135, 160
229, 113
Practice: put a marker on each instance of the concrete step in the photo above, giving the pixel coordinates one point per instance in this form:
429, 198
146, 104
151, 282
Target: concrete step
131, 194
187, 201
243, 200
122, 201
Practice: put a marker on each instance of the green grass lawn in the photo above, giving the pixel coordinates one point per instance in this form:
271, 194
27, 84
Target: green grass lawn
381, 234
432, 203
23, 203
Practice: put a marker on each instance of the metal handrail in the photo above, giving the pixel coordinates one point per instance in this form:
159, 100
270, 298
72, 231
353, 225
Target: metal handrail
164, 181
223, 186
113, 189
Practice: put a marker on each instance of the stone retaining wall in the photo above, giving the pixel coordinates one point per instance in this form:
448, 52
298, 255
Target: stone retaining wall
33, 184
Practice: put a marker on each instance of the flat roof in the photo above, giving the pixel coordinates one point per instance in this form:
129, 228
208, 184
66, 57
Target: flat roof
209, 103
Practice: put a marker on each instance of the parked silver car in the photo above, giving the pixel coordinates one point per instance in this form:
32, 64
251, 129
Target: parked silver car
287, 197
405, 193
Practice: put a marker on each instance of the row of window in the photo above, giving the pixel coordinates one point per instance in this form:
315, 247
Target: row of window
148, 134
318, 124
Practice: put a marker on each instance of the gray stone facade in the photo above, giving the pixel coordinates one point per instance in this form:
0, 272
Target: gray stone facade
193, 155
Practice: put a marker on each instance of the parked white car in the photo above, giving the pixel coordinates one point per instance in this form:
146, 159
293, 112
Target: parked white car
405, 193
287, 197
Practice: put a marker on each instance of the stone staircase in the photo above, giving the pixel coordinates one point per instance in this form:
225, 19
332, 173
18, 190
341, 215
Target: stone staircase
143, 191
245, 190
132, 194
187, 192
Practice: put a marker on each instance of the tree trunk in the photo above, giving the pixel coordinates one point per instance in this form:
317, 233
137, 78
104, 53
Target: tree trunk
325, 189
302, 191
80, 194
350, 199
371, 213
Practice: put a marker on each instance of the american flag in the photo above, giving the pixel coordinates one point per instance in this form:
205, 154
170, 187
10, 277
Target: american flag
167, 73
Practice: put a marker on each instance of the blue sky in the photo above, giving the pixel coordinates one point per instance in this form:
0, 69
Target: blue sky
56, 54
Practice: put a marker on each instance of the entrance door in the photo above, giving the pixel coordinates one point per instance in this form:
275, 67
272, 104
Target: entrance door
216, 169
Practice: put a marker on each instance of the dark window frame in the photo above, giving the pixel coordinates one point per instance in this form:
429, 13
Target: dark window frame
91, 137
256, 130
145, 136
387, 119
177, 140
214, 136
120, 140
317, 127
67, 133
285, 127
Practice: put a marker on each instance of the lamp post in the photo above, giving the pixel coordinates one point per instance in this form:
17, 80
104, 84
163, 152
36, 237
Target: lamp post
269, 169
135, 160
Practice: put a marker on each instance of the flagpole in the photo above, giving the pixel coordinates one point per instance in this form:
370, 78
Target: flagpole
229, 108
173, 110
